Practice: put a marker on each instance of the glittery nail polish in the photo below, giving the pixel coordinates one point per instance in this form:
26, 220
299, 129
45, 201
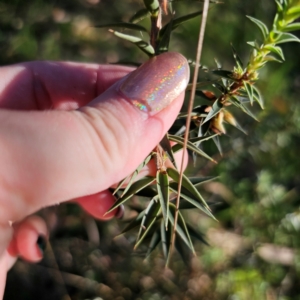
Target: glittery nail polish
156, 83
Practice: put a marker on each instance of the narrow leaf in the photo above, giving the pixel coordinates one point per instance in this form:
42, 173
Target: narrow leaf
196, 234
286, 38
249, 89
180, 227
134, 223
139, 16
156, 238
166, 146
123, 25
148, 220
144, 46
186, 184
190, 146
264, 29
133, 176
257, 96
237, 58
134, 188
292, 27
217, 142
164, 38
244, 108
215, 109
162, 183
188, 196
275, 49
224, 74
165, 240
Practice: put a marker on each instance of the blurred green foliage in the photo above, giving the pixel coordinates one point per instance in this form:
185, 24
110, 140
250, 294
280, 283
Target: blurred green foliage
254, 248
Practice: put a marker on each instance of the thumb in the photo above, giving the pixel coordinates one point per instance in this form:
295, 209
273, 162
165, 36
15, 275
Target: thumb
54, 156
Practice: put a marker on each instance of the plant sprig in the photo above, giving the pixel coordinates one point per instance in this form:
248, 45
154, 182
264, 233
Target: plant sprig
236, 87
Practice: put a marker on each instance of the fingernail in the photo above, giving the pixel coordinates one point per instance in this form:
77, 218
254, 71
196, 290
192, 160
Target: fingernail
120, 212
42, 243
156, 83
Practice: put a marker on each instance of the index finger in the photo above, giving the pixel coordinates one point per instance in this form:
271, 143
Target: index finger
43, 85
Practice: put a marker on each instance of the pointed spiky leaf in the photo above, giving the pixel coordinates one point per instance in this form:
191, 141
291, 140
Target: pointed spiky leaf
134, 223
292, 27
264, 29
134, 188
162, 183
249, 89
164, 39
180, 228
196, 234
257, 96
217, 142
186, 184
148, 220
166, 236
215, 109
237, 58
123, 25
190, 146
243, 107
286, 38
133, 176
144, 46
139, 15
178, 21
189, 197
197, 181
165, 144
224, 74
155, 240
275, 49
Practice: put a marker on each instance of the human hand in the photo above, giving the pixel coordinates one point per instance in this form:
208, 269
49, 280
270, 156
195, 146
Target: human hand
70, 131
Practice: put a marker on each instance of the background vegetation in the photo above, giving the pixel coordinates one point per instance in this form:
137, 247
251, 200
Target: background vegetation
254, 248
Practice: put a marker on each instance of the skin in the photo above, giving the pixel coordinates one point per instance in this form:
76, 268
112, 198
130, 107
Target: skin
65, 133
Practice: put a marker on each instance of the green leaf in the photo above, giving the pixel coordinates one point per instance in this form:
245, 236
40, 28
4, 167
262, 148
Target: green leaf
190, 146
162, 183
156, 238
144, 46
215, 109
275, 49
249, 89
148, 220
244, 108
292, 27
164, 39
286, 38
189, 197
178, 21
134, 188
133, 176
237, 58
123, 25
264, 29
279, 6
181, 227
257, 96
224, 74
173, 173
217, 142
272, 58
134, 223
166, 146
199, 139
139, 15
195, 234
166, 236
